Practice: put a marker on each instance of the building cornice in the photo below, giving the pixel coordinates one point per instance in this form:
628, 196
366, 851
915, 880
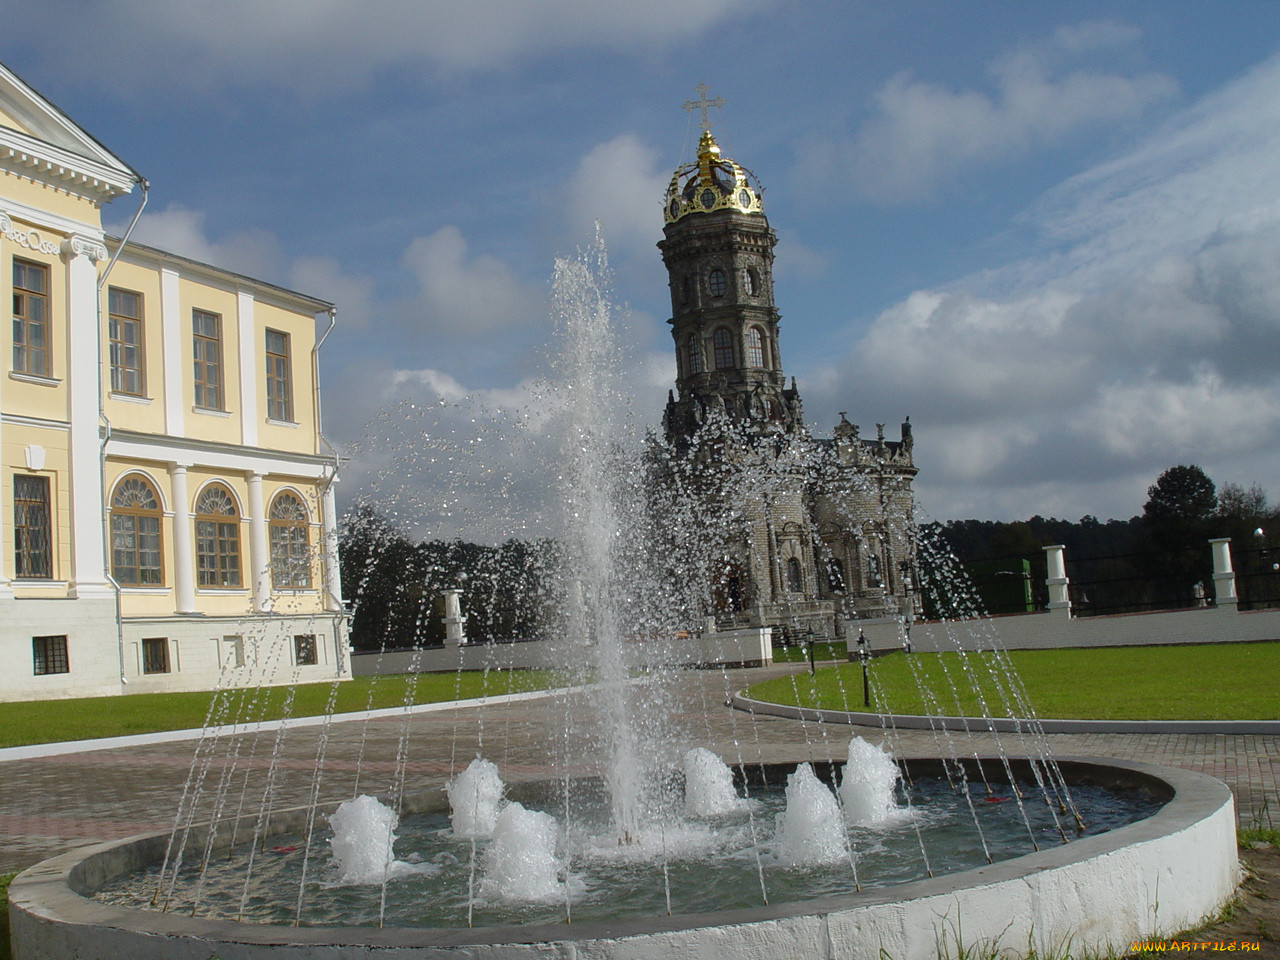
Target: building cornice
163, 448
34, 159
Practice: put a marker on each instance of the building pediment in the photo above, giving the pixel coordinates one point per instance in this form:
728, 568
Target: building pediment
40, 142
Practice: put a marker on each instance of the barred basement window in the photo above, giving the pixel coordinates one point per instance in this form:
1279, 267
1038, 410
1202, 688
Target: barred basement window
49, 655
304, 649
155, 655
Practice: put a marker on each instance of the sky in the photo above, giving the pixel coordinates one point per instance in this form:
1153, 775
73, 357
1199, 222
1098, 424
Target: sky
1048, 233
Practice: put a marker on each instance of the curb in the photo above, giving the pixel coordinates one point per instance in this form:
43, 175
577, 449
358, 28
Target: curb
1004, 724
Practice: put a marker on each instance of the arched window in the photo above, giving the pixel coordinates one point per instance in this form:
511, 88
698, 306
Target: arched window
695, 355
794, 583
755, 347
749, 282
716, 282
722, 342
289, 528
835, 575
873, 571
217, 538
135, 534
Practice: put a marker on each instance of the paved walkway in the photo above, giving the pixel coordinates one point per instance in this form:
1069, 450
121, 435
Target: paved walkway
51, 804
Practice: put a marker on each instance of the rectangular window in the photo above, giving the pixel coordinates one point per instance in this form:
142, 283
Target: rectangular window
124, 330
279, 385
155, 655
30, 318
32, 548
304, 649
49, 655
206, 340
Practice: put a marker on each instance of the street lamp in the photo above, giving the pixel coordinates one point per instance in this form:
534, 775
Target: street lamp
864, 655
809, 640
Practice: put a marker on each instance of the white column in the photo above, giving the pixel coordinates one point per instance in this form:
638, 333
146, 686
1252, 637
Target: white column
176, 339
248, 337
1224, 576
183, 557
332, 569
6, 587
84, 343
453, 618
1059, 597
259, 549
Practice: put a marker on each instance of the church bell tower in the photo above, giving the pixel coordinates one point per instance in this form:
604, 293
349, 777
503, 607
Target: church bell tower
718, 249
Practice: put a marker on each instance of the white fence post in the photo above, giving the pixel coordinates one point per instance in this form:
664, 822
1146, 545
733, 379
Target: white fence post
1224, 577
1059, 597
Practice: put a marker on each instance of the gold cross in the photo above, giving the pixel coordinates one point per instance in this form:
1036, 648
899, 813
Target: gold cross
702, 103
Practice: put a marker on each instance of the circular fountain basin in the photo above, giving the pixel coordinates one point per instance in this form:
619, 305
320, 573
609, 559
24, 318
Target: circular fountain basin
1154, 877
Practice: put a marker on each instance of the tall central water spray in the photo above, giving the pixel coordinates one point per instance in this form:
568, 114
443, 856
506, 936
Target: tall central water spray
602, 533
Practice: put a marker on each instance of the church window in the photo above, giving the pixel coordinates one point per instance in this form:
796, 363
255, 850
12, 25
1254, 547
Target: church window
695, 355
794, 583
749, 282
716, 282
684, 291
873, 571
290, 543
755, 348
217, 539
135, 534
30, 318
722, 341
835, 575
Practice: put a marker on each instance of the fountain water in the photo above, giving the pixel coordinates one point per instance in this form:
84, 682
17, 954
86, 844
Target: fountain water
627, 586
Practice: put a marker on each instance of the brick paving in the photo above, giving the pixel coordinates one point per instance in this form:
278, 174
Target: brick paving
51, 804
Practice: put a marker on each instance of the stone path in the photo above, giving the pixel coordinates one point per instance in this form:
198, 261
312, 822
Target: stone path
51, 804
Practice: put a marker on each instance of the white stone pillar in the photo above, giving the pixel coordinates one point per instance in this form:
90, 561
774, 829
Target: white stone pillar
247, 336
332, 569
1224, 577
453, 618
175, 338
259, 548
6, 587
183, 556
88, 570
1059, 596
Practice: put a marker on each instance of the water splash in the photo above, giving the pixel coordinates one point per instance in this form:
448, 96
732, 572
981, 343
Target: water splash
364, 836
811, 830
708, 786
475, 797
867, 785
521, 863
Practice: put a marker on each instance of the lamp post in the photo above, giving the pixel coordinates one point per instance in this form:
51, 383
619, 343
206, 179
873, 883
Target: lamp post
864, 655
809, 640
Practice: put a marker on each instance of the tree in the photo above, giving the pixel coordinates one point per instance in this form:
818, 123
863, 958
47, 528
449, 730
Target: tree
1179, 520
1181, 495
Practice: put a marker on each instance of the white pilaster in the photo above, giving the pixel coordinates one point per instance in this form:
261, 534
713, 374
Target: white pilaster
259, 548
184, 584
175, 335
332, 570
84, 341
6, 587
248, 338
1224, 575
1057, 582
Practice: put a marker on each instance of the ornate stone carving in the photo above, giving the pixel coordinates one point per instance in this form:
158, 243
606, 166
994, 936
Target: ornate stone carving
78, 246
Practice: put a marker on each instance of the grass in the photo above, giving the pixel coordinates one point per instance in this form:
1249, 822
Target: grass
4, 914
1204, 682
822, 650
49, 721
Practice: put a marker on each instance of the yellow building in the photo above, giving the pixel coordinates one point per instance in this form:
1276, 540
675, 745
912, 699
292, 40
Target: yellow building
166, 497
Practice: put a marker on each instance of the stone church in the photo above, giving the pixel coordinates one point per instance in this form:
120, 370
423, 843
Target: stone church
819, 530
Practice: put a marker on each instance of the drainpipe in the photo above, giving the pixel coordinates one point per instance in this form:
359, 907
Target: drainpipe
335, 596
106, 432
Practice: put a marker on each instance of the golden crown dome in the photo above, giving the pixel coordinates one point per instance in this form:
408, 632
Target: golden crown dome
711, 183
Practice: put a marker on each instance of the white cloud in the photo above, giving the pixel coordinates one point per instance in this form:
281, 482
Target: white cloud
921, 134
310, 45
253, 252
323, 277
620, 185
468, 295
1144, 332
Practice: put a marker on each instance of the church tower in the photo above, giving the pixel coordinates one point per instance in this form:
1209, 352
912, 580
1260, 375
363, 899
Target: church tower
718, 250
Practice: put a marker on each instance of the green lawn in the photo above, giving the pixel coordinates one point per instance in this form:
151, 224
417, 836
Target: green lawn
1234, 681
47, 721
822, 650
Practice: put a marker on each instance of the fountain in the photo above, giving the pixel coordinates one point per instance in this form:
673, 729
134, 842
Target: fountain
520, 864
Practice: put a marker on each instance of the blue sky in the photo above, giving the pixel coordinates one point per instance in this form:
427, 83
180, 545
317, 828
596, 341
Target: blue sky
1049, 233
